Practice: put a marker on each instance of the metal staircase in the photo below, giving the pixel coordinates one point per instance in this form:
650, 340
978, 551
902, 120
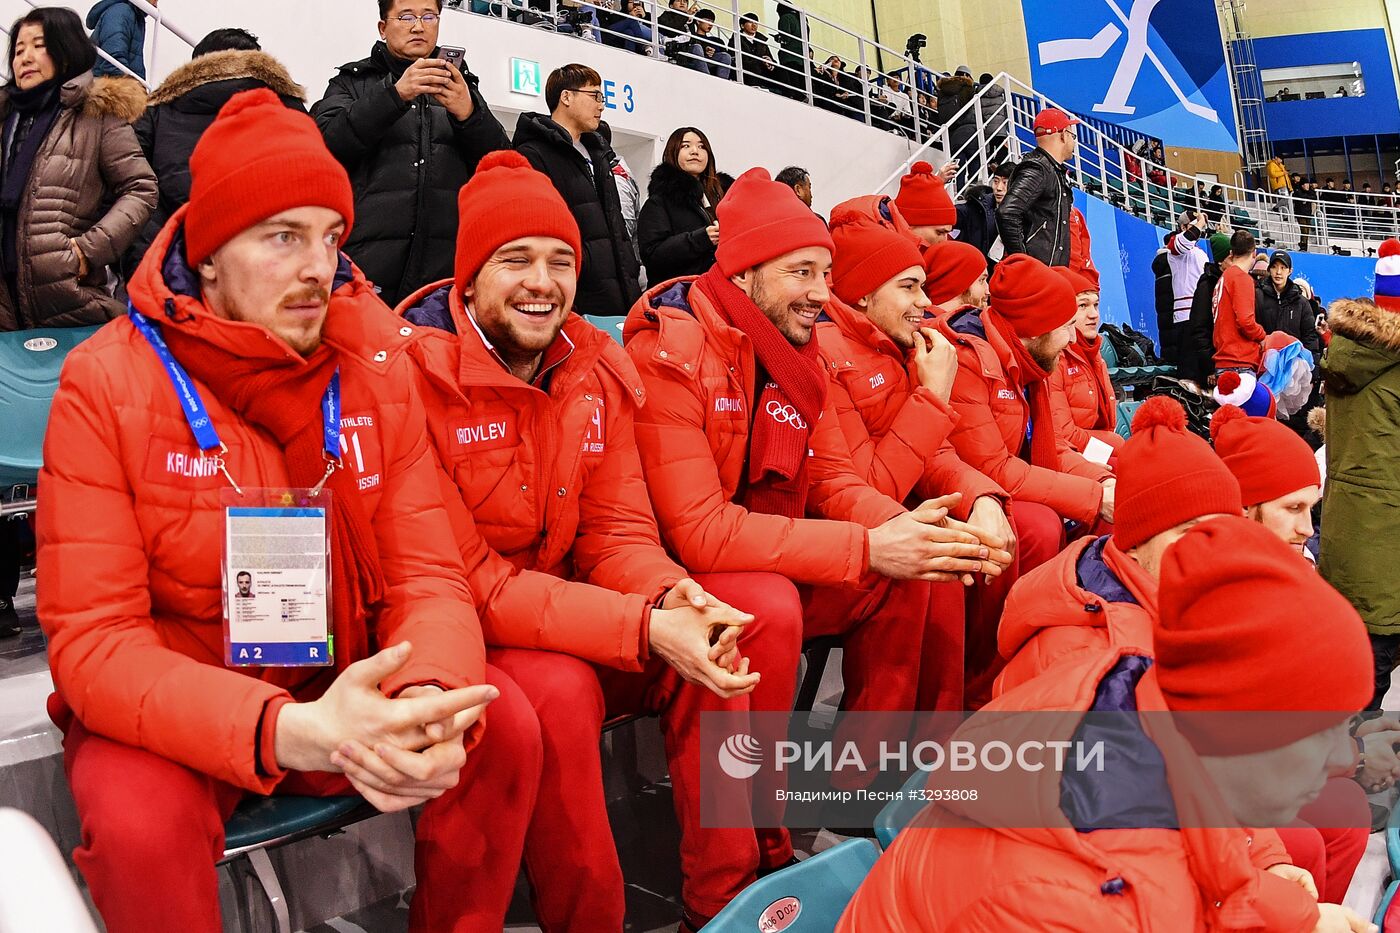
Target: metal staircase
1248, 88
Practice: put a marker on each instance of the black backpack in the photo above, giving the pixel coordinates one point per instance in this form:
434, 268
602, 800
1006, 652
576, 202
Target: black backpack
1144, 345
1200, 406
1127, 350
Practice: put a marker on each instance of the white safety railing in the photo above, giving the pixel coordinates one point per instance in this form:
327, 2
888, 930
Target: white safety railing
708, 37
1149, 189
161, 24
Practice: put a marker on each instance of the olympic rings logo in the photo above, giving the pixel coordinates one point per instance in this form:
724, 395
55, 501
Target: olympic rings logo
785, 414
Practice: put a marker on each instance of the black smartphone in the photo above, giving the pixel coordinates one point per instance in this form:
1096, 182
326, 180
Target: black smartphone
454, 56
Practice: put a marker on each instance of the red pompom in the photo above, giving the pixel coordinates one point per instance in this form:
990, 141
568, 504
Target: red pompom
1223, 416
1228, 383
1160, 412
501, 158
921, 168
1390, 247
847, 216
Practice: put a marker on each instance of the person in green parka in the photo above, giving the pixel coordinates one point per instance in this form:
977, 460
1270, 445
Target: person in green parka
1361, 504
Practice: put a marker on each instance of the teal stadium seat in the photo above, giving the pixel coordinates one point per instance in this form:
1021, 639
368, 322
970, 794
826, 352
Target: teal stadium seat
809, 897
612, 326
1126, 410
897, 814
261, 824
1384, 909
30, 361
1392, 842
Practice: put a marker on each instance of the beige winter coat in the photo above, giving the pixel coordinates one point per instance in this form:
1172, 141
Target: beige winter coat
89, 183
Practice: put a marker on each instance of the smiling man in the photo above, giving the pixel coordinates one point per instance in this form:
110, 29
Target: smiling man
531, 410
256, 360
749, 472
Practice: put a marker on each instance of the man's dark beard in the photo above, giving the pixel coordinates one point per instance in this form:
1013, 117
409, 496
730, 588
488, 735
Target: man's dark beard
782, 316
1039, 351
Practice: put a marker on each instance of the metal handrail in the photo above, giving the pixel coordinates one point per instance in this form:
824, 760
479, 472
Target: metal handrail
161, 23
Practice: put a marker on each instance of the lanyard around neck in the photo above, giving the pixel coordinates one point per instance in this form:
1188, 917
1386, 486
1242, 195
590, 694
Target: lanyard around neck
197, 414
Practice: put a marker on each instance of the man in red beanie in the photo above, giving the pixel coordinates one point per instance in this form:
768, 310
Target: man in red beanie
924, 202
891, 375
741, 445
257, 368
955, 277
1239, 340
1034, 217
531, 409
1005, 427
1277, 471
1174, 833
1082, 400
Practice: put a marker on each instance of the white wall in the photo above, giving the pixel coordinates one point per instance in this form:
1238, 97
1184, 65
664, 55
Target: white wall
746, 126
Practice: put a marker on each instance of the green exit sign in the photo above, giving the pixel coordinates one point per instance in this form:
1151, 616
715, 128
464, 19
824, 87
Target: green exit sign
525, 77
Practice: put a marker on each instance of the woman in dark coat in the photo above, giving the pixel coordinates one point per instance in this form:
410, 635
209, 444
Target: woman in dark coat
677, 230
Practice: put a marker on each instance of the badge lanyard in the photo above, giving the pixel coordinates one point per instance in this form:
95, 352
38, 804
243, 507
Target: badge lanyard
197, 415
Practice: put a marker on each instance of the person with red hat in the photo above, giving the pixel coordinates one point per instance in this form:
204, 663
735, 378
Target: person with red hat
1276, 469
748, 471
531, 410
955, 277
924, 202
1006, 427
891, 375
1034, 217
1176, 831
257, 372
1082, 400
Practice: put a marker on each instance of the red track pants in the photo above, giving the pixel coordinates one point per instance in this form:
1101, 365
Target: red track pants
1329, 837
153, 829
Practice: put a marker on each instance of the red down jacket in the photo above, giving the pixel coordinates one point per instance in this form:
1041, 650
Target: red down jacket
897, 431
130, 532
693, 433
1077, 399
553, 484
992, 419
951, 872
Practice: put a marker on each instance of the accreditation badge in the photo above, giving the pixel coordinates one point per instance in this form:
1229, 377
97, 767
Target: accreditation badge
277, 577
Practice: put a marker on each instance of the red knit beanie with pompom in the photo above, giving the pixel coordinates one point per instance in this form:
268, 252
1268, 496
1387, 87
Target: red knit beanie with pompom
923, 198
867, 255
1167, 475
1269, 459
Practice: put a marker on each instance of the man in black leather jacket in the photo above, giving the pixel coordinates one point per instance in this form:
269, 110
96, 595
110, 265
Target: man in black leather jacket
1034, 216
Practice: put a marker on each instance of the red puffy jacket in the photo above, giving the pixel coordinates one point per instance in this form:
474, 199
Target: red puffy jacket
693, 434
1239, 340
882, 211
897, 431
992, 419
130, 532
1070, 604
553, 484
1080, 257
1076, 389
1047, 875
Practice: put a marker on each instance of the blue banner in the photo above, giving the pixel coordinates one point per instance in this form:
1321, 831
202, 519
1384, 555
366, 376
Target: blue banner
1154, 66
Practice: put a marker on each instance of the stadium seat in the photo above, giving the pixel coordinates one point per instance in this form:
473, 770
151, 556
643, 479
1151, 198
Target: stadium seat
806, 898
30, 361
1384, 909
1126, 410
261, 824
1392, 842
612, 326
897, 814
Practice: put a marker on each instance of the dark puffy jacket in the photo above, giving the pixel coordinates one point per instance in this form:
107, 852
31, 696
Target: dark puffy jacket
977, 219
1164, 298
1196, 353
1034, 215
407, 162
671, 228
954, 91
607, 282
1291, 313
119, 29
181, 109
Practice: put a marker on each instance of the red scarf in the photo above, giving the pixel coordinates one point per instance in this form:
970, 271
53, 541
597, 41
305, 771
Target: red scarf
1044, 451
1108, 405
787, 407
281, 394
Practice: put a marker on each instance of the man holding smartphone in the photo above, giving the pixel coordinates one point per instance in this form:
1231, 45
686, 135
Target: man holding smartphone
409, 125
